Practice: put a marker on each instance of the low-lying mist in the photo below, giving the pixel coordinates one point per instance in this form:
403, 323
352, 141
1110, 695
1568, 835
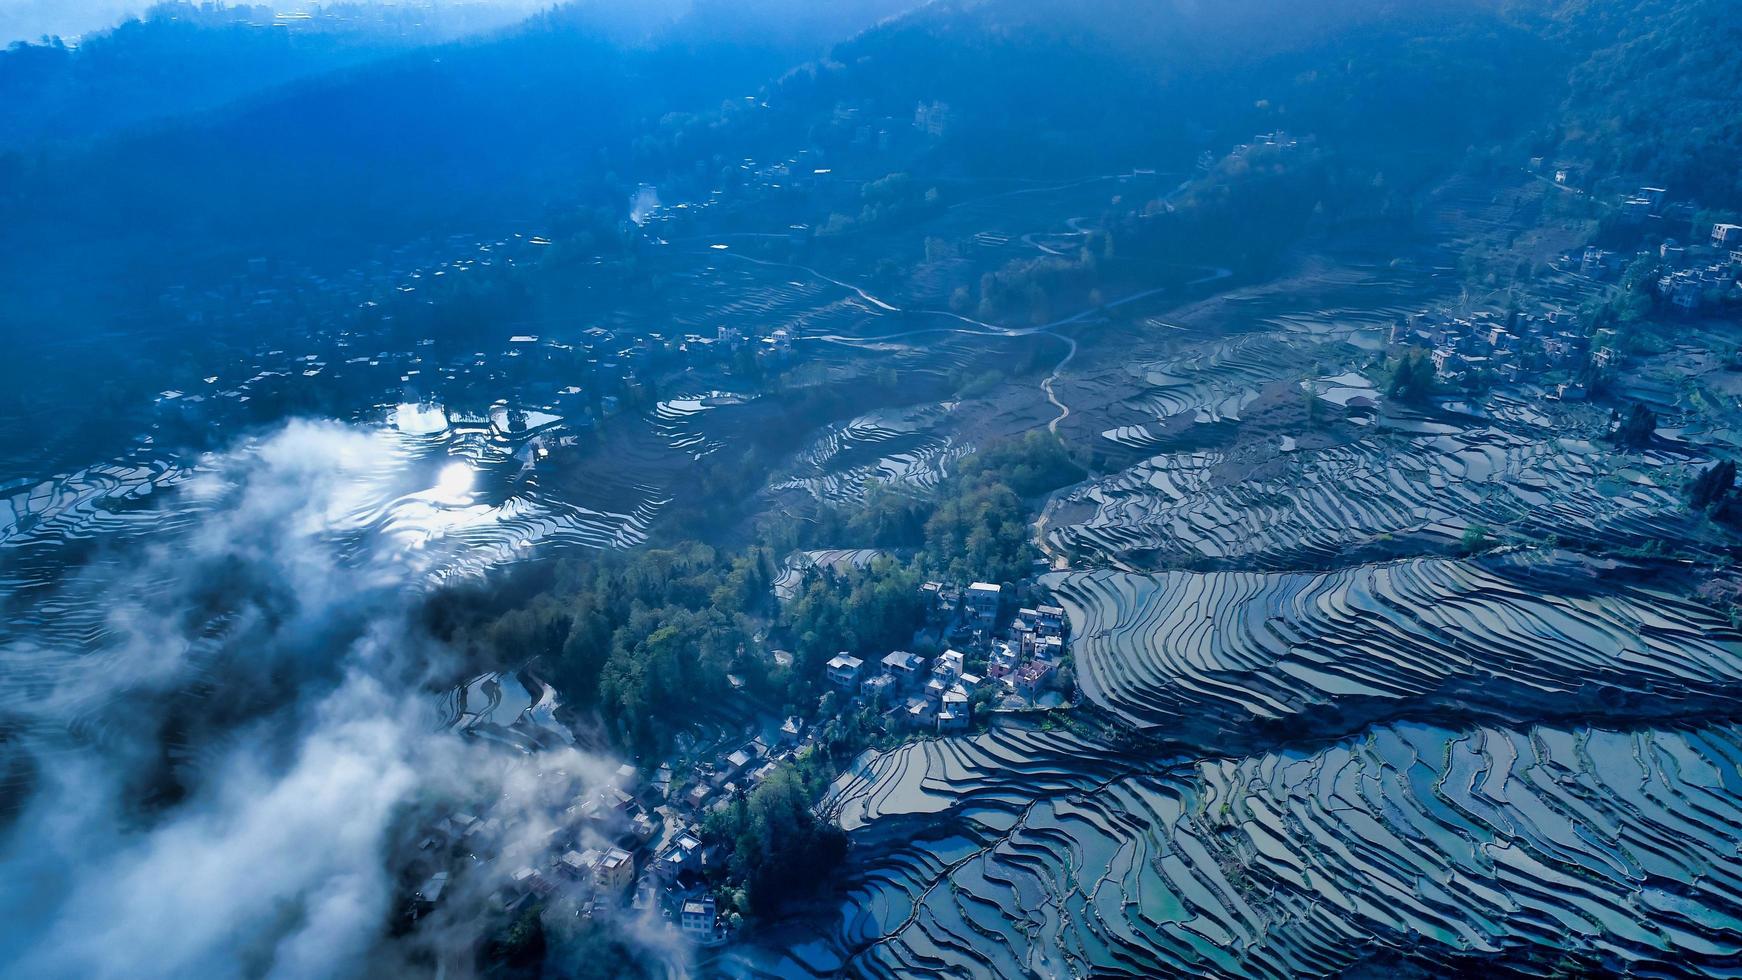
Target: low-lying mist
228, 779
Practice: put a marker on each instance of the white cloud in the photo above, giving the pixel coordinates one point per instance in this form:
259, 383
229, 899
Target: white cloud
298, 765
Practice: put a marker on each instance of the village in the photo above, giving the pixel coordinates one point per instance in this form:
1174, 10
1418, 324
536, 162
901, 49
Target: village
1552, 347
635, 846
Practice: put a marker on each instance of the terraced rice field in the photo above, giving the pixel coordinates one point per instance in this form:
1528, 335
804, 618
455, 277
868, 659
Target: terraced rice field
974, 773
1543, 847
1207, 384
752, 295
393, 494
1313, 508
1211, 657
504, 708
800, 564
681, 421
901, 448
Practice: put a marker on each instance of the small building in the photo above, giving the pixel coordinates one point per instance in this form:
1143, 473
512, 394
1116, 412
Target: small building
844, 671
1686, 295
1031, 678
1050, 620
430, 892
983, 599
615, 871
903, 666
697, 918
1726, 235
919, 712
735, 765
951, 663
955, 713
683, 855
698, 795
579, 864
625, 777
528, 881
880, 689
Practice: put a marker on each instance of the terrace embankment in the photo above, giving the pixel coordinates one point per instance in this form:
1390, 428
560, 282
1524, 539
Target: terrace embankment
1225, 661
1482, 849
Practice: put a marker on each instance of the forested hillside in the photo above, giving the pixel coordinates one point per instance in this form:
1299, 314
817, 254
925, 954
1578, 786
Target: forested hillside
1659, 93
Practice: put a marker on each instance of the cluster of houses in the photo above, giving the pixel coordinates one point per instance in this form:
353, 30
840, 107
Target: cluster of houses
1503, 346
1694, 274
584, 852
593, 375
1028, 660
673, 882
1690, 276
936, 694
1691, 273
942, 693
619, 847
583, 376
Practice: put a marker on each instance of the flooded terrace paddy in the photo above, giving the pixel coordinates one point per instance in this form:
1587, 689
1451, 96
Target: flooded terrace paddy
1608, 850
1228, 658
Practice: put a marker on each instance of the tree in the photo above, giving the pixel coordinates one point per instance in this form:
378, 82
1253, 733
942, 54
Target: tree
1476, 539
1713, 485
518, 950
1637, 429
775, 843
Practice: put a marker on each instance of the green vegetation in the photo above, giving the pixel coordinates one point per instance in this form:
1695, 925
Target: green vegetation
865, 612
1030, 465
1032, 286
775, 846
587, 948
1655, 93
1476, 539
1638, 428
1634, 302
643, 638
1412, 378
639, 637
517, 949
1713, 486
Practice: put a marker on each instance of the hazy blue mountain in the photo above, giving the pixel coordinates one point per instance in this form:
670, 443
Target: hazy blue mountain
180, 58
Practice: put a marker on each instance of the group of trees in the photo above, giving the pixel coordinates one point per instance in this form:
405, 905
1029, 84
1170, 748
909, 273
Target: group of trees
637, 636
1713, 487
974, 528
1633, 302
866, 611
776, 848
979, 527
1413, 379
892, 199
1654, 91
1031, 287
1637, 429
